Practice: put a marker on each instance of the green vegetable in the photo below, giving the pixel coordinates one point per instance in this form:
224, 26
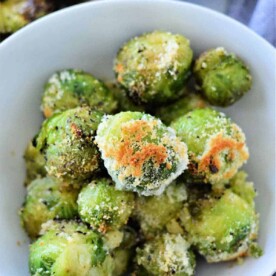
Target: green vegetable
242, 188
167, 254
216, 145
67, 141
154, 67
35, 163
221, 225
15, 14
185, 104
72, 88
140, 153
155, 212
103, 207
47, 199
124, 102
68, 248
223, 77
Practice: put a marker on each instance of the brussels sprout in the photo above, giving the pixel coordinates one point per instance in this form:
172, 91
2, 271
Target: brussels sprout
121, 244
223, 77
34, 162
155, 212
15, 14
167, 254
244, 189
216, 145
68, 248
154, 67
221, 225
140, 153
67, 141
46, 199
72, 88
103, 207
121, 259
124, 102
173, 111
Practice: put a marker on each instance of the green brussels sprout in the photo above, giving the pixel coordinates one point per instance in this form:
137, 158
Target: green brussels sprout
124, 102
121, 259
223, 77
47, 199
221, 225
103, 207
121, 245
167, 254
216, 145
72, 88
69, 249
67, 141
173, 111
154, 67
155, 212
34, 162
242, 188
15, 14
140, 153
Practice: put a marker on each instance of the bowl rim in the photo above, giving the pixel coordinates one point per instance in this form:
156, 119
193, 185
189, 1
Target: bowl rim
73, 8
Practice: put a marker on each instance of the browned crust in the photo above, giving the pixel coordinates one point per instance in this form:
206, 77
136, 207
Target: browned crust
47, 111
126, 153
210, 161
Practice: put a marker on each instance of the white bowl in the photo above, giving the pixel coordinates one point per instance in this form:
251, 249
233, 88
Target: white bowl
88, 36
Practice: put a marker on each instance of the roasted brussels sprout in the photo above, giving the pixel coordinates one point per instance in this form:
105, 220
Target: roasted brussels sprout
221, 225
124, 102
47, 199
15, 14
167, 254
244, 189
140, 153
121, 243
67, 141
216, 145
154, 67
69, 248
35, 163
103, 207
223, 77
155, 212
72, 88
185, 104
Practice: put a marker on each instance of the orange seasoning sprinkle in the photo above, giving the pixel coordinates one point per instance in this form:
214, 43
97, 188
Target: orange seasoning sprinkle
133, 151
119, 67
217, 145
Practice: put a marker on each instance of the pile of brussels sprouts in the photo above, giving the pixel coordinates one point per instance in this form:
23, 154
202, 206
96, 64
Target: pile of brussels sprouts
140, 175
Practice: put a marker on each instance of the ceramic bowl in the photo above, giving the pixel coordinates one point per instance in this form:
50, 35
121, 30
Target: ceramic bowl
87, 36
